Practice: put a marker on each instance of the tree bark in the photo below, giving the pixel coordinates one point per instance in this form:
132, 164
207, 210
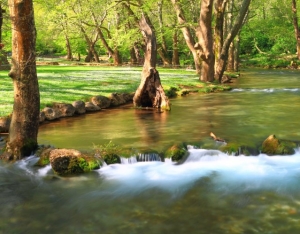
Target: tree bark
222, 61
1, 21
25, 118
91, 45
205, 38
296, 27
69, 50
175, 57
187, 35
220, 6
150, 92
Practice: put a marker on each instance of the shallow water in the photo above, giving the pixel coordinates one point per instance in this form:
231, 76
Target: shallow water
264, 102
211, 192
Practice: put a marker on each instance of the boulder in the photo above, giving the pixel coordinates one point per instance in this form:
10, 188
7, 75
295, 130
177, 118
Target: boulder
176, 152
274, 146
4, 124
52, 114
117, 99
70, 161
101, 101
89, 106
66, 109
79, 107
42, 117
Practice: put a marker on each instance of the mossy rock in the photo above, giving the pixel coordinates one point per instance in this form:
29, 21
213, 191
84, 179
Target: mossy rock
176, 152
70, 162
111, 158
274, 146
43, 153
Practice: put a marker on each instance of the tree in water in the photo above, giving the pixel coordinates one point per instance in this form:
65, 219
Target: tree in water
150, 92
24, 125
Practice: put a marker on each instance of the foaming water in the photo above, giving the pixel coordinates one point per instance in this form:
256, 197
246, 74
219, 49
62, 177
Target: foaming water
228, 173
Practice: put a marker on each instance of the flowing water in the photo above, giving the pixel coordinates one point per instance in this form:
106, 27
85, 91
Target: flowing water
211, 192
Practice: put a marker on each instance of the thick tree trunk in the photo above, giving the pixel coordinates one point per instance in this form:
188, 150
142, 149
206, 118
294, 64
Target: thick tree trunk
296, 27
25, 118
150, 92
222, 61
220, 6
205, 38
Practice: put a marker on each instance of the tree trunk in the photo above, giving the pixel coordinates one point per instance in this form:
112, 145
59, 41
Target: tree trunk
222, 61
1, 21
133, 58
205, 45
236, 53
230, 63
220, 7
187, 35
69, 50
162, 49
296, 27
150, 92
164, 57
175, 57
25, 118
91, 45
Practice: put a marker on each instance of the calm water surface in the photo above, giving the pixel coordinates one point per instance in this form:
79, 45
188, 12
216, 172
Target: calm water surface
210, 193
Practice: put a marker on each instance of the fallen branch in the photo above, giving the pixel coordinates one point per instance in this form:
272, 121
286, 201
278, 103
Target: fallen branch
216, 138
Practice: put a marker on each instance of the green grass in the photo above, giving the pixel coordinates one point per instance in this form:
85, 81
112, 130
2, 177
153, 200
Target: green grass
70, 83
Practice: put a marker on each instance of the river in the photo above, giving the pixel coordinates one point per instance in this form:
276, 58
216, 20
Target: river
211, 192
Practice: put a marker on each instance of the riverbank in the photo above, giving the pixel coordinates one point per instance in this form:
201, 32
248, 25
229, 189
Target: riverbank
68, 84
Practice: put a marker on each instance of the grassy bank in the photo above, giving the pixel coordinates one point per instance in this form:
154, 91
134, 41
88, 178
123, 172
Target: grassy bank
70, 83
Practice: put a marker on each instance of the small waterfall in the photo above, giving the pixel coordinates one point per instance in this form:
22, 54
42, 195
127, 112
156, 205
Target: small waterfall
130, 160
148, 157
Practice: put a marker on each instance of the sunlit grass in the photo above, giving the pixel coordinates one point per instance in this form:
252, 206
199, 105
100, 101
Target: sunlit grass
70, 83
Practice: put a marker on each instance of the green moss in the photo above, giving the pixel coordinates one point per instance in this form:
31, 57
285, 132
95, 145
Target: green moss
230, 148
176, 152
43, 153
172, 92
274, 146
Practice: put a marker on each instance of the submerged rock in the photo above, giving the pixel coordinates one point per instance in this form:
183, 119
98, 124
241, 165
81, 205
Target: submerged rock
70, 161
274, 146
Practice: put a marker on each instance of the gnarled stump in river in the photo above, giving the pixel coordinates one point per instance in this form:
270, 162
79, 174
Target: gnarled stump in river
150, 93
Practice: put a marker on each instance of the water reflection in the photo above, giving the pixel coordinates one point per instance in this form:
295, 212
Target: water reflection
150, 124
